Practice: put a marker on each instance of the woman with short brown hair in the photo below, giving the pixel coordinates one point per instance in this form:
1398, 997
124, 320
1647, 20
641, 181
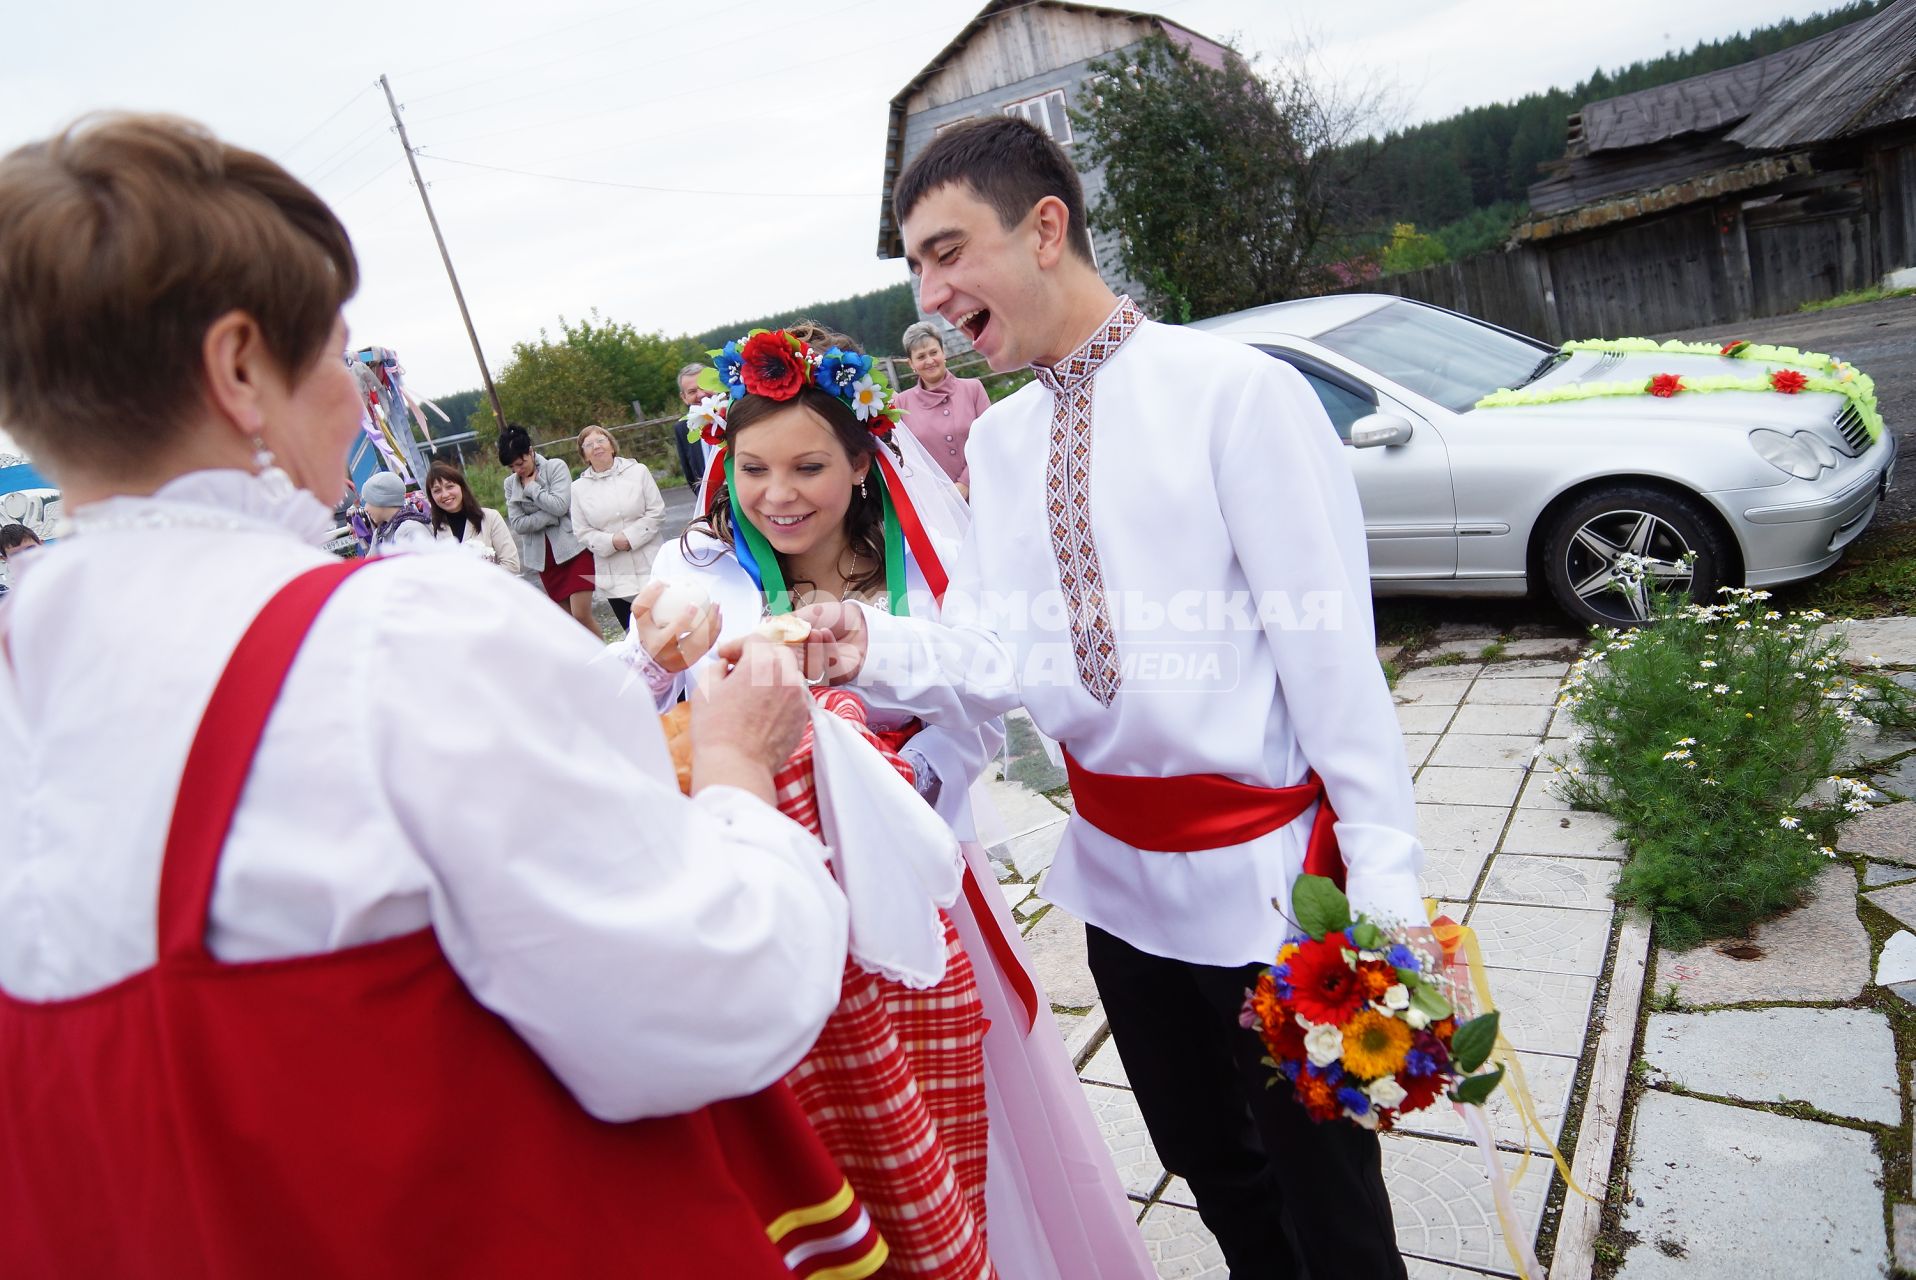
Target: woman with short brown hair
279, 997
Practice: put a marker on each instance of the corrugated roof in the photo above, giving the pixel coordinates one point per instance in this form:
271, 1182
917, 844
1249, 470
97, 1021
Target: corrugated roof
1860, 82
1700, 104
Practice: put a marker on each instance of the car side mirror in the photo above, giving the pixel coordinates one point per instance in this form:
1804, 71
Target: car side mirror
1385, 429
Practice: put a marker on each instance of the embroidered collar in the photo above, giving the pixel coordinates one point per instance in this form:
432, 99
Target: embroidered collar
1083, 364
214, 499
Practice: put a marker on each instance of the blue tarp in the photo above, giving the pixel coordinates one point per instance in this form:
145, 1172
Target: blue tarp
21, 476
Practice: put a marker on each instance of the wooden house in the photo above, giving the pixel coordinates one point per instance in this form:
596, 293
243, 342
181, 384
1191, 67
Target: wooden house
1021, 57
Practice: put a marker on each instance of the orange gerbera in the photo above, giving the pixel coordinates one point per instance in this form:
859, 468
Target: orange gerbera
1376, 977
1374, 1045
1317, 1096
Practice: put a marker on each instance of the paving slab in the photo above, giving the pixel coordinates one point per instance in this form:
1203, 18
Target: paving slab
1106, 1067
1887, 833
1902, 1228
1563, 833
1485, 750
1530, 879
1896, 964
1899, 777
1424, 1269
1900, 902
1825, 927
1493, 718
1526, 669
1519, 692
1461, 826
1452, 873
1539, 790
1542, 647
1546, 939
1441, 671
1482, 632
1549, 1078
1015, 892
1014, 810
1718, 1190
1177, 1191
1771, 1055
1033, 852
1180, 1246
1056, 947
1468, 647
1421, 719
1122, 1125
1417, 748
1875, 873
1892, 640
1441, 784
1442, 1204
1546, 1012
1445, 692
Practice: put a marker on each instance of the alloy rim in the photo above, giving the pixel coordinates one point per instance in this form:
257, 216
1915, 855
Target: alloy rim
1616, 558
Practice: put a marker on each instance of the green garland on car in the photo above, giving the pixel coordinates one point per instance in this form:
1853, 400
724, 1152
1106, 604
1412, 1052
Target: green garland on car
1828, 374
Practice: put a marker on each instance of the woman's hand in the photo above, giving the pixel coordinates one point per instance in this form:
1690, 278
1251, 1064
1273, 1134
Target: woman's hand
747, 722
677, 642
619, 542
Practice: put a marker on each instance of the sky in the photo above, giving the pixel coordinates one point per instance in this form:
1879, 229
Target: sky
743, 139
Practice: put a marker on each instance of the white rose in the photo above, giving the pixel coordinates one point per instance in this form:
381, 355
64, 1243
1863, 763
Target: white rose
1386, 1092
1397, 997
1417, 1018
1324, 1044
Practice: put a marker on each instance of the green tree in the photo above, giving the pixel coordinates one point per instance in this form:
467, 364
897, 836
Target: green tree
1409, 250
1225, 187
876, 320
592, 372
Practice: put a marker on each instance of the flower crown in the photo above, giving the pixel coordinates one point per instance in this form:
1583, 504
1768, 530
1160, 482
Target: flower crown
776, 365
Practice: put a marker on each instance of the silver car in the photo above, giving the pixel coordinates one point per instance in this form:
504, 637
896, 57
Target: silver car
1763, 488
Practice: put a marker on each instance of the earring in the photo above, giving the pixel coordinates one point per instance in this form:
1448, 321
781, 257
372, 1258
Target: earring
861, 488
263, 459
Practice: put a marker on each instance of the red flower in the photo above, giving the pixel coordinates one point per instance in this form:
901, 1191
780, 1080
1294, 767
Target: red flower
1420, 1092
770, 367
1788, 381
1735, 345
1665, 385
1319, 1099
1376, 977
1324, 988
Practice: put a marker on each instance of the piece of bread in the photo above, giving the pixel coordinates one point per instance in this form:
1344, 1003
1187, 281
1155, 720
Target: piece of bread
677, 724
785, 628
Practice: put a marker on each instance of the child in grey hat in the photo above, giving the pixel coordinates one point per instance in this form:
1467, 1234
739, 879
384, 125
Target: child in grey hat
391, 523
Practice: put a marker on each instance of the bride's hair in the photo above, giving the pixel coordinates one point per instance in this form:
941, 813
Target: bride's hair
865, 518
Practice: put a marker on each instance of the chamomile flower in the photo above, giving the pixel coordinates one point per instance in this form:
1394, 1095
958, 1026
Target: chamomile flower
1789, 822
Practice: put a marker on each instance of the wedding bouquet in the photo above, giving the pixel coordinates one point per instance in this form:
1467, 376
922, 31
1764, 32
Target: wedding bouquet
1362, 1025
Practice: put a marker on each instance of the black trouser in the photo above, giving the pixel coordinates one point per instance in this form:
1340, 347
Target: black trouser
691, 459
622, 610
1315, 1208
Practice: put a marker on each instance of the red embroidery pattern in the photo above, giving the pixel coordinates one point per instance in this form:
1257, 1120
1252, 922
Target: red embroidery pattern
1094, 644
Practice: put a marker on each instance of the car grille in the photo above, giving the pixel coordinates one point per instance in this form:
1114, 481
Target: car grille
1855, 434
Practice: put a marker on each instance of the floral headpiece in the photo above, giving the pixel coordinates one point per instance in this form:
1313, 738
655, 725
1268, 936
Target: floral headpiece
774, 364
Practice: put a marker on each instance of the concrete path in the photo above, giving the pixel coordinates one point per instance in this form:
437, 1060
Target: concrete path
1504, 856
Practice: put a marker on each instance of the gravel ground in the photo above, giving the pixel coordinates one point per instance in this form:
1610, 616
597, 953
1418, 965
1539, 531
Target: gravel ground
1877, 337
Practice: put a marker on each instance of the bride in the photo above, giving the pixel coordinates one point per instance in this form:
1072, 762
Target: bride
814, 495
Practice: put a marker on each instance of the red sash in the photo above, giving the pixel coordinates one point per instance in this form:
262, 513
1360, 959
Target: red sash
357, 1112
1198, 811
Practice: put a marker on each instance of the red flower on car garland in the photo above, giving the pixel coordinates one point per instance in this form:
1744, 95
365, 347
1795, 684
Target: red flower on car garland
1788, 381
1665, 385
771, 367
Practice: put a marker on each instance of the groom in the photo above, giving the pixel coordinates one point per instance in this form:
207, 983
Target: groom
1167, 568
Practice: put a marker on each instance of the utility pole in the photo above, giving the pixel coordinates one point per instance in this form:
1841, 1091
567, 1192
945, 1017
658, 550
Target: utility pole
492, 392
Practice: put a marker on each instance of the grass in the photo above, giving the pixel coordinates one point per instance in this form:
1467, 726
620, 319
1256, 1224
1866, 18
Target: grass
1875, 293
1876, 578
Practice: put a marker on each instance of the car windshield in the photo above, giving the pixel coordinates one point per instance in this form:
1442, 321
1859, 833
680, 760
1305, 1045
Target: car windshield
1450, 359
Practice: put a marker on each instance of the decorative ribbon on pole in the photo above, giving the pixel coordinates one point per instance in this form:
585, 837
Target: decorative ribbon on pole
914, 529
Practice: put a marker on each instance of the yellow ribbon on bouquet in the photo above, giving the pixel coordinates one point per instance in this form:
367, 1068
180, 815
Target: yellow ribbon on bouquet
1454, 937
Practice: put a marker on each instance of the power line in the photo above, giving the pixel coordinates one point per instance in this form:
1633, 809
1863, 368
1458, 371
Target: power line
360, 150
369, 182
342, 148
635, 186
310, 133
521, 42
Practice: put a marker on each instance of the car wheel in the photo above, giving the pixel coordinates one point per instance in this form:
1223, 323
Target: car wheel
1588, 548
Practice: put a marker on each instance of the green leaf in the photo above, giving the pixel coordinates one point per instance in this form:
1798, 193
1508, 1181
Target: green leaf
1411, 978
1473, 1041
1477, 1089
709, 379
1368, 936
1430, 1002
1320, 907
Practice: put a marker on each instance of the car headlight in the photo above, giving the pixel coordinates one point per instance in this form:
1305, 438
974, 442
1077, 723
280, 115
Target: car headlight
1803, 455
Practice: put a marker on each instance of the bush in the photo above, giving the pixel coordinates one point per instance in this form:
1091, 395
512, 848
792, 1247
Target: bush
1703, 736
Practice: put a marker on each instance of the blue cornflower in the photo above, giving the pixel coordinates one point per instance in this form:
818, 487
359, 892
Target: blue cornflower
1418, 1064
1354, 1100
839, 370
1330, 1075
1401, 956
729, 365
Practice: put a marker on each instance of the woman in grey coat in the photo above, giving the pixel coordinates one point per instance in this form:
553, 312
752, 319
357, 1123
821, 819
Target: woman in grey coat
539, 509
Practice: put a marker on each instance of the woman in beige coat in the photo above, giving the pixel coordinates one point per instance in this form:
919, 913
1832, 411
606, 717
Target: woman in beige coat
617, 511
458, 518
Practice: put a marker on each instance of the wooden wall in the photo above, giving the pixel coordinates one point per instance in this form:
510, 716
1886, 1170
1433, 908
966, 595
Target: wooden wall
1838, 231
